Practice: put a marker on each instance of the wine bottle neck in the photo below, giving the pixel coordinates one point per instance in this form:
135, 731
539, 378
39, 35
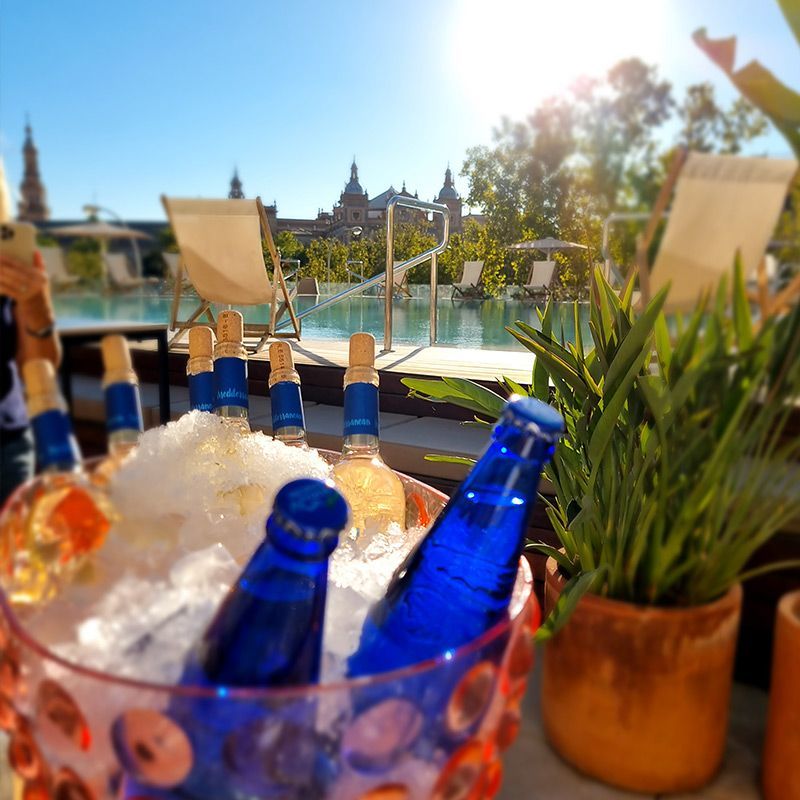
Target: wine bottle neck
361, 419
231, 399
56, 447
360, 444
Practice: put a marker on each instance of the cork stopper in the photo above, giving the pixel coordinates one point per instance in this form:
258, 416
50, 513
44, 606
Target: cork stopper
230, 327
117, 364
230, 333
41, 387
39, 376
362, 350
281, 364
362, 360
201, 349
201, 342
116, 355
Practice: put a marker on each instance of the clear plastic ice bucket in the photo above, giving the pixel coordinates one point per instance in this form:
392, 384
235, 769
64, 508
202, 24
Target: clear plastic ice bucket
434, 730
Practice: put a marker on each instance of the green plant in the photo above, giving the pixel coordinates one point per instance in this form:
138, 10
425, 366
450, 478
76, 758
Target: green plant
778, 101
84, 259
672, 471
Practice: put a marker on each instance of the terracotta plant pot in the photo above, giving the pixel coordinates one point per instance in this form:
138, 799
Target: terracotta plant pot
637, 696
781, 774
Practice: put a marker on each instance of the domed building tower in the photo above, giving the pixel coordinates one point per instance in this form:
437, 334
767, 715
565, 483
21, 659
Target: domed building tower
33, 197
448, 196
353, 201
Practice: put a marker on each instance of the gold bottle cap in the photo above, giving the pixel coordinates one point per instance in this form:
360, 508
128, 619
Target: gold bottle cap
117, 364
281, 364
362, 360
41, 387
201, 349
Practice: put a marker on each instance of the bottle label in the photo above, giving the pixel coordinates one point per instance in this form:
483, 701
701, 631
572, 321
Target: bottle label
201, 391
287, 407
55, 443
123, 408
361, 409
230, 382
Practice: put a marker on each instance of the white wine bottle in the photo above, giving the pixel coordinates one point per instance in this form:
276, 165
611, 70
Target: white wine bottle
375, 493
288, 421
231, 399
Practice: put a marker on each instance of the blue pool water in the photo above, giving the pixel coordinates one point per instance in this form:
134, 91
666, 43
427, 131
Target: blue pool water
468, 323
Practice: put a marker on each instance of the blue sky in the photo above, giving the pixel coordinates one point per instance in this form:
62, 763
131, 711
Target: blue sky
129, 100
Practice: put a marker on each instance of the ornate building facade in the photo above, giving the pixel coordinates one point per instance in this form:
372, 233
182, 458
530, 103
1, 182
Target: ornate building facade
355, 210
32, 205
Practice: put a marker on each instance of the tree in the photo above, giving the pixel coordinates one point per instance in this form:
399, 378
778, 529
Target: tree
603, 147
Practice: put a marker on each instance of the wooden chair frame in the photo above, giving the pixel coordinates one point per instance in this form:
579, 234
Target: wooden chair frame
278, 306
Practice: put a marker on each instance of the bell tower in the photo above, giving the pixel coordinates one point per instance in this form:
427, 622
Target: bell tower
33, 197
449, 196
236, 191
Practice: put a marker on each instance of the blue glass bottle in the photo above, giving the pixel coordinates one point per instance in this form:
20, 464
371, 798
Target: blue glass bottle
231, 398
121, 390
288, 420
200, 369
457, 583
267, 633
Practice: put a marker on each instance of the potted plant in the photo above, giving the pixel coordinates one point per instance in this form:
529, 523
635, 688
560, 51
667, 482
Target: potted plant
672, 473
780, 777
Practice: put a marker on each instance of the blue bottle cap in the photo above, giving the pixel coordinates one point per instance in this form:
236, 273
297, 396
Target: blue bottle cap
534, 415
311, 509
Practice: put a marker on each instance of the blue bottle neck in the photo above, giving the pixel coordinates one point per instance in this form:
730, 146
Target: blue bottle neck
56, 447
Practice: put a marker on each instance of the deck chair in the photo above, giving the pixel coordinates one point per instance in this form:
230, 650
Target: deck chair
308, 287
722, 205
470, 283
56, 268
539, 280
120, 275
221, 244
400, 288
174, 271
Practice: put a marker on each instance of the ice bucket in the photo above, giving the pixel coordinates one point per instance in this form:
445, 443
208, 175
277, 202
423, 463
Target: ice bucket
435, 730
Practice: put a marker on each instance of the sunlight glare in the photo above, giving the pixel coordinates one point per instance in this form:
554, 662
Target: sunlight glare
508, 55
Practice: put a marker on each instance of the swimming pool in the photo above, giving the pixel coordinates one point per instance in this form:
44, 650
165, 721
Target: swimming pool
466, 323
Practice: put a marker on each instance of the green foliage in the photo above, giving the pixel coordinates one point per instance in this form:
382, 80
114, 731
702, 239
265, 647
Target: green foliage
84, 259
673, 470
167, 241
290, 246
597, 149
326, 257
778, 101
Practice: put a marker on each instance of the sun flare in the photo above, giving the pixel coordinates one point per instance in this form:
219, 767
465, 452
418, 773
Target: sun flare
508, 55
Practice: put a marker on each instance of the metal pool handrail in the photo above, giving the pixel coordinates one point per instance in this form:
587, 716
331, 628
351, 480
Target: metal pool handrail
393, 270
404, 266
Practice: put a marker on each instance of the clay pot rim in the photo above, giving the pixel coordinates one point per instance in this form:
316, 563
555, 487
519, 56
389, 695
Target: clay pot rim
789, 608
623, 608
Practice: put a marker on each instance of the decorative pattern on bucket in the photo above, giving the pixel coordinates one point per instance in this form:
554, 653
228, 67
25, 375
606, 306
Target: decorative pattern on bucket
435, 730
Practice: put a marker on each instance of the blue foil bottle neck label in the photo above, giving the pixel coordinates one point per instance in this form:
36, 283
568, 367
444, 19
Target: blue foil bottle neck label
287, 406
230, 382
55, 444
123, 408
201, 391
361, 409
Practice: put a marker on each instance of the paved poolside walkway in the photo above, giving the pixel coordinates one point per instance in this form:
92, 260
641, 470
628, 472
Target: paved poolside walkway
457, 362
